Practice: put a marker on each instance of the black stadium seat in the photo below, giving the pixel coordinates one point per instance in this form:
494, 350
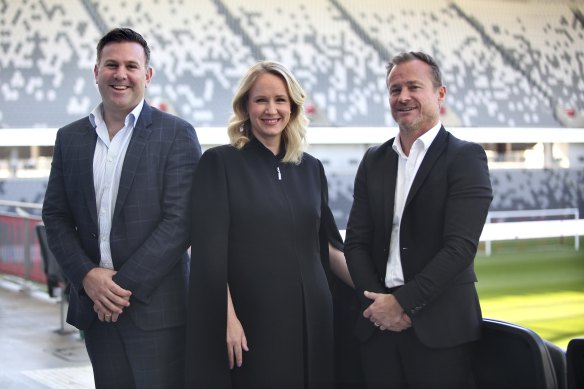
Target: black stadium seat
51, 268
558, 356
509, 356
575, 357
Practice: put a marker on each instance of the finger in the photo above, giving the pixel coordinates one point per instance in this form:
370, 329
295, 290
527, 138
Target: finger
109, 305
120, 292
115, 317
244, 343
370, 295
238, 356
230, 356
367, 312
121, 301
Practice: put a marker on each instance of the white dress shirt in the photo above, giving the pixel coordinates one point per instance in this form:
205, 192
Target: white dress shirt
407, 169
107, 169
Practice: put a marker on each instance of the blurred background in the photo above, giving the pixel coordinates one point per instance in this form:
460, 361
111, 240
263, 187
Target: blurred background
514, 71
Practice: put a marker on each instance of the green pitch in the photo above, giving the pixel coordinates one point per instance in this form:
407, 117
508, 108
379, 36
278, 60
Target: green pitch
535, 284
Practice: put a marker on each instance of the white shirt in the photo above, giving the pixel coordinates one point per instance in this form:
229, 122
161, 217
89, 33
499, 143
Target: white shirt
107, 169
407, 168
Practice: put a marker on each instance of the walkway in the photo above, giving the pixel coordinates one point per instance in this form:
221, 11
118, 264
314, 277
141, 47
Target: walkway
35, 352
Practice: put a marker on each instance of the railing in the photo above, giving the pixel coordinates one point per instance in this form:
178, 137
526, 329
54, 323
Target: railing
19, 246
532, 224
555, 223
20, 252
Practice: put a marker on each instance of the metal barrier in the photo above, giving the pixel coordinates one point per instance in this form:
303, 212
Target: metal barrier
20, 250
19, 246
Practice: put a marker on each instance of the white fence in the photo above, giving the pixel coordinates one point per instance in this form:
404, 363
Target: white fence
559, 223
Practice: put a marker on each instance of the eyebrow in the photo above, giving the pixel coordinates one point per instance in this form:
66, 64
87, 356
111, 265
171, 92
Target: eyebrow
111, 60
408, 83
264, 96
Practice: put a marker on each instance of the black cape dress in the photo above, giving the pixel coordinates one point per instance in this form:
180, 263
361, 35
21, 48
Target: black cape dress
262, 226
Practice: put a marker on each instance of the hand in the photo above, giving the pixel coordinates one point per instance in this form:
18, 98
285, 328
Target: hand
108, 297
236, 341
386, 313
106, 316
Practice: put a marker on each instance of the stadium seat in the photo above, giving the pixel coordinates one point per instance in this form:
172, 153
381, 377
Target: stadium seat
51, 268
575, 361
558, 356
509, 356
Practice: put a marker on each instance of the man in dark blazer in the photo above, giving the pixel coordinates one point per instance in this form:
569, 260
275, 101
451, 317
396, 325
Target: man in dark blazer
420, 203
117, 216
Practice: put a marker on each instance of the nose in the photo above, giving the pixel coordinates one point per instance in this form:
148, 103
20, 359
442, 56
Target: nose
404, 95
120, 73
270, 107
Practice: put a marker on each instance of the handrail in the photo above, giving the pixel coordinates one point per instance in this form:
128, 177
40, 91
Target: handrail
20, 204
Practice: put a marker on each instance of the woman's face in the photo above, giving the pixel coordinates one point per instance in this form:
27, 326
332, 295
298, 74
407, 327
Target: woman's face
269, 109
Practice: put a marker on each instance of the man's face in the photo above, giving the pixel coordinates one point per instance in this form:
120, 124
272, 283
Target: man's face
122, 76
413, 98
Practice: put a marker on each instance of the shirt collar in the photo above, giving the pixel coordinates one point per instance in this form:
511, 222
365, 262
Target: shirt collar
425, 140
96, 116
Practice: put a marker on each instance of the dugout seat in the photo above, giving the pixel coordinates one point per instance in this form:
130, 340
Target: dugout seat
509, 356
575, 361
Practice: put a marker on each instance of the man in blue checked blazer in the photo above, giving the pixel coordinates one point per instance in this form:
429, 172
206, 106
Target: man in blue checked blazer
117, 216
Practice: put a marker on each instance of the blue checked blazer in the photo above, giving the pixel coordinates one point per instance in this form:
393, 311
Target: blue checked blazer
151, 222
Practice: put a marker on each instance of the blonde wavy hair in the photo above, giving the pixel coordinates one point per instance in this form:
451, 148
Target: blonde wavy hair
294, 134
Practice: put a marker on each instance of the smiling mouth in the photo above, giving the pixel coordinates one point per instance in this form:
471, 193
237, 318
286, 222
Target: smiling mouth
406, 109
120, 87
271, 121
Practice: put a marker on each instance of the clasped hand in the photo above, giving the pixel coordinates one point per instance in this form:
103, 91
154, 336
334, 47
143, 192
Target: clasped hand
386, 313
109, 298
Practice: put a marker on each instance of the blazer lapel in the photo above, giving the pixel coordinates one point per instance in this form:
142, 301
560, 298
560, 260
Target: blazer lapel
389, 177
141, 133
436, 148
86, 152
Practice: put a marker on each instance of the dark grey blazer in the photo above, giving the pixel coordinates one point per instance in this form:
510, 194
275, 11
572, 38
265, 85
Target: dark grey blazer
151, 222
441, 224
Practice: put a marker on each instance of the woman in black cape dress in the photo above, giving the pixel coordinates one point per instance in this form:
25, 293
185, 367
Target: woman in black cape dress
262, 228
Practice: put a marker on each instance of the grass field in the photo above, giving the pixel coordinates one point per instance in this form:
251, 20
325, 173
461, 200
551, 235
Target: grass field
537, 284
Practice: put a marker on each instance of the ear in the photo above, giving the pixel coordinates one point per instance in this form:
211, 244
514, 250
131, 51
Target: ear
95, 71
441, 92
148, 76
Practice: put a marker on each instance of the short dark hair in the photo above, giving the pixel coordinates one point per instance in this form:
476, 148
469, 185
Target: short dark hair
123, 35
413, 55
